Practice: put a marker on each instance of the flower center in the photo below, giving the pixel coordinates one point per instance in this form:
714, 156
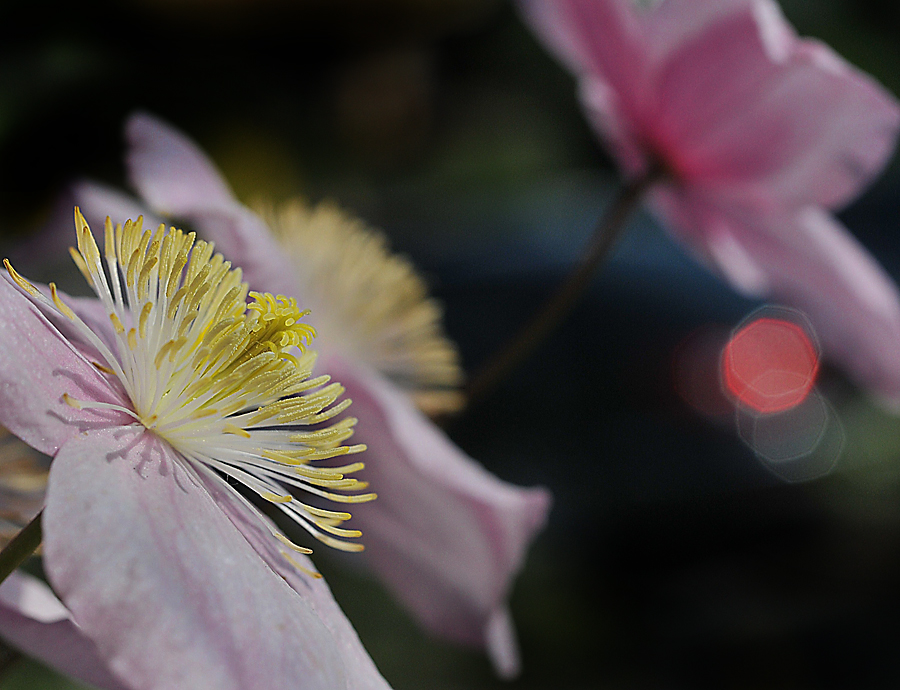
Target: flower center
225, 382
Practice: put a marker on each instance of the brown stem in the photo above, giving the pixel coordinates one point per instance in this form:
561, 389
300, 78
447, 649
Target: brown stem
21, 547
558, 306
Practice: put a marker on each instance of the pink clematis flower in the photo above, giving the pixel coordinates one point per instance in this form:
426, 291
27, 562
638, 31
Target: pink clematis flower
154, 399
445, 536
758, 134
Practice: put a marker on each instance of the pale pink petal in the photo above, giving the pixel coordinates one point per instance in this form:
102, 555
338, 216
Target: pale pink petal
445, 535
35, 622
170, 171
94, 314
31, 597
750, 111
159, 578
808, 260
359, 668
177, 179
38, 366
98, 201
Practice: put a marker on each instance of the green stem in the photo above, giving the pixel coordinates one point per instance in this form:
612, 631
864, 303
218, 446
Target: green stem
21, 547
558, 306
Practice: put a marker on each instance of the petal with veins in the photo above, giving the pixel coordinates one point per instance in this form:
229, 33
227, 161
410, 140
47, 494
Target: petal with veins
159, 578
37, 367
445, 535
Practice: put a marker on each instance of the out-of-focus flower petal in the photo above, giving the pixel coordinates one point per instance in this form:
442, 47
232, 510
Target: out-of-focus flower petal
672, 23
171, 173
177, 179
241, 233
38, 366
159, 578
809, 260
445, 535
756, 114
34, 621
97, 201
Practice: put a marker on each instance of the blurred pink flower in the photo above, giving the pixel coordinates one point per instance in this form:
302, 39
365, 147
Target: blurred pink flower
445, 536
757, 134
168, 576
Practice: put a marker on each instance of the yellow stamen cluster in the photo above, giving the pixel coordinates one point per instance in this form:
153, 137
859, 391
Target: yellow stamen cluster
370, 301
225, 382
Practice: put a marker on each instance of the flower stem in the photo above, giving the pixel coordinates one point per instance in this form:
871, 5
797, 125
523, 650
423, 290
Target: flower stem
558, 306
21, 547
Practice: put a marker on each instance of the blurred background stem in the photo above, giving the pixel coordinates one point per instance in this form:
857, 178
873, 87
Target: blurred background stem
560, 304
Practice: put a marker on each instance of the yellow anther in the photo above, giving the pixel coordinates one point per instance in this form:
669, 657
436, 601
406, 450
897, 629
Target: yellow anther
142, 321
144, 277
132, 339
68, 313
350, 498
236, 430
337, 531
19, 280
338, 544
82, 267
104, 369
71, 402
275, 498
291, 545
109, 240
117, 323
328, 514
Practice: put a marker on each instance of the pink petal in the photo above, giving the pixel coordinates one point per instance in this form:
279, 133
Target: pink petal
159, 578
446, 536
359, 669
671, 23
34, 621
177, 179
37, 366
170, 171
808, 260
748, 110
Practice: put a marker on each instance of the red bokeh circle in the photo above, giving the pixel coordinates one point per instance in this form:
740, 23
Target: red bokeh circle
770, 365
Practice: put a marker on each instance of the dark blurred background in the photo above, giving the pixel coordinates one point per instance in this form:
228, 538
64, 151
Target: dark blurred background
675, 556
